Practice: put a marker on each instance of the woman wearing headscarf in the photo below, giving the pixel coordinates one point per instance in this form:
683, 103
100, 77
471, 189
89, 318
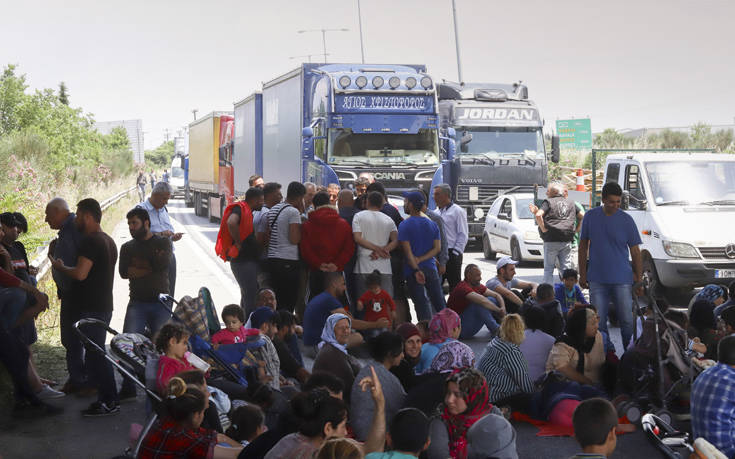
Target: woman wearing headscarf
579, 354
465, 403
427, 395
714, 294
405, 371
333, 356
444, 327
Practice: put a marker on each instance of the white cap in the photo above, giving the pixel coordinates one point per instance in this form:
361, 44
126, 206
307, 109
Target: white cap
505, 261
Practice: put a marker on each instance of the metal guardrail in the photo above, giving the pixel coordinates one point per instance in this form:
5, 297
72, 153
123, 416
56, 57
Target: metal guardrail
41, 261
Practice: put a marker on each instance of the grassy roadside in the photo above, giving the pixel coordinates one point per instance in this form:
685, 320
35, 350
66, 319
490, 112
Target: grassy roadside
48, 354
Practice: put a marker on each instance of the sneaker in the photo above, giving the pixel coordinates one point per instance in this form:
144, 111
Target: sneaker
127, 393
48, 393
98, 408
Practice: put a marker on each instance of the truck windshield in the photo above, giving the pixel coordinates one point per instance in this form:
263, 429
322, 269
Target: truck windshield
494, 141
420, 149
692, 182
177, 172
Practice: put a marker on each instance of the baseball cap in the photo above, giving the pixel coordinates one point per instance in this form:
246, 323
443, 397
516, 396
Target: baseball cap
416, 198
8, 219
262, 315
505, 261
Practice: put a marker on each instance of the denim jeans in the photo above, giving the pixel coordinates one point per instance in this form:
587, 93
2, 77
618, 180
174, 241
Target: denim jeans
73, 345
621, 296
138, 316
554, 251
99, 368
172, 275
474, 317
12, 302
428, 298
246, 275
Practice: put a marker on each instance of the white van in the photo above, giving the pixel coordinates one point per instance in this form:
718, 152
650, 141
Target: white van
176, 179
684, 207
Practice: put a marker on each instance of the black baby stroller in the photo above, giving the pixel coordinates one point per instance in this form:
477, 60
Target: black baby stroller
657, 370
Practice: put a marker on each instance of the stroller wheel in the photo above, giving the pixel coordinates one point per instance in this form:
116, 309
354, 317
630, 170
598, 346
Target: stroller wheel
664, 415
619, 402
632, 411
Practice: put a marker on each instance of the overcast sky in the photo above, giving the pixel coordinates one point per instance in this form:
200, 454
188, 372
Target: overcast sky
624, 63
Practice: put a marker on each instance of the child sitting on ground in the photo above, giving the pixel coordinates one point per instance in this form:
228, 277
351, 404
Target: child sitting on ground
568, 293
248, 423
376, 303
172, 342
234, 332
179, 432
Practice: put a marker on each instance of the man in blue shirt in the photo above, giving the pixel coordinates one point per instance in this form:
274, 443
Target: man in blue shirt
608, 236
713, 400
421, 242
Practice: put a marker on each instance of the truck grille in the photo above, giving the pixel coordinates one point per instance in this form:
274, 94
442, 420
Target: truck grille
483, 192
712, 252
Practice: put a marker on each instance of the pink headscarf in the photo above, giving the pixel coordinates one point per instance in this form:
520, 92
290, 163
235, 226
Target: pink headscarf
442, 324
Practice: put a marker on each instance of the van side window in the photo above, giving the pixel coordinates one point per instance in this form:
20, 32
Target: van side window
613, 172
633, 185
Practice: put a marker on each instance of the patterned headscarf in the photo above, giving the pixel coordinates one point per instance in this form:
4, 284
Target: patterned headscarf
474, 390
453, 355
442, 324
710, 293
328, 331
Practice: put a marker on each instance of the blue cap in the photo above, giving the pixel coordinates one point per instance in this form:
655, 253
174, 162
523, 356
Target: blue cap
416, 198
262, 315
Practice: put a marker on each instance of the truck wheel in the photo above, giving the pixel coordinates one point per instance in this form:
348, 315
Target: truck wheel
197, 206
487, 250
212, 218
515, 251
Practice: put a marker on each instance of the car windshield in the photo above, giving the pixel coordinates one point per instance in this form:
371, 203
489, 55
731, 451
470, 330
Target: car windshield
522, 208
345, 147
500, 142
692, 182
177, 172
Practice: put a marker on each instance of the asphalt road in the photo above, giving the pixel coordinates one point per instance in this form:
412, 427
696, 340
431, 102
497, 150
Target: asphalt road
70, 435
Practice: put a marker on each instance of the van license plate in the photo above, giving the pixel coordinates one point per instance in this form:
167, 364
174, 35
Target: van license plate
724, 273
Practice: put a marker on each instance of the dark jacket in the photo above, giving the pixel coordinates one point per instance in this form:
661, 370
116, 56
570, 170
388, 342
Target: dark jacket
341, 365
553, 317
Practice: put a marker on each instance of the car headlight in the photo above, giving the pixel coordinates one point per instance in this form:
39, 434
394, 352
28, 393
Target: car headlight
426, 82
680, 249
531, 236
361, 81
378, 81
410, 82
344, 81
479, 213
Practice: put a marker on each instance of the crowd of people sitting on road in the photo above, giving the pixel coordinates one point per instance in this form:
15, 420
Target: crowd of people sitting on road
326, 274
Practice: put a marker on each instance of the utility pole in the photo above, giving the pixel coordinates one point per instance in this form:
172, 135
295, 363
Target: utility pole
165, 132
359, 20
324, 37
456, 42
194, 111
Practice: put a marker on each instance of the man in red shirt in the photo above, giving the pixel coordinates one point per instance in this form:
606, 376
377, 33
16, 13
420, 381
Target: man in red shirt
475, 303
326, 244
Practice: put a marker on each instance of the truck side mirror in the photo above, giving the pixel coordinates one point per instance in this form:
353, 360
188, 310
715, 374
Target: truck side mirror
555, 151
307, 132
625, 200
463, 141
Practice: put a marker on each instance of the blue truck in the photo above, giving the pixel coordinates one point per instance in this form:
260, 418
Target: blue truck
328, 123
492, 143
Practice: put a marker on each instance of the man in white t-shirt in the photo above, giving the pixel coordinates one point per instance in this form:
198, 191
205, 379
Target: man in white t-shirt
375, 235
284, 227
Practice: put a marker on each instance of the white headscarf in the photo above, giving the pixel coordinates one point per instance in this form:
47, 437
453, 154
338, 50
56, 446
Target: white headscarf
328, 331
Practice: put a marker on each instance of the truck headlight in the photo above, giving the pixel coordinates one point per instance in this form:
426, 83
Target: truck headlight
426, 82
680, 249
344, 81
378, 81
394, 82
361, 81
479, 213
410, 82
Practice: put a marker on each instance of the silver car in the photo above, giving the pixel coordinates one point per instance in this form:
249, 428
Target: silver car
510, 228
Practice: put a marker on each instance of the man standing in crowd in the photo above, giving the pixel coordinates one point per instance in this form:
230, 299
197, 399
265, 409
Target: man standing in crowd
557, 222
347, 211
65, 248
256, 181
165, 177
309, 198
333, 191
271, 196
144, 261
376, 236
141, 182
326, 243
505, 281
608, 236
456, 231
161, 224
94, 272
443, 256
421, 242
284, 226
361, 184
236, 243
475, 303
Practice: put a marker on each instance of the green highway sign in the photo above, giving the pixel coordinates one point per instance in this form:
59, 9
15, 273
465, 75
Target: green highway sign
574, 134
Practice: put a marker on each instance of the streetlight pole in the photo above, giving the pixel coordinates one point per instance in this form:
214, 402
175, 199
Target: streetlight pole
456, 42
324, 37
359, 21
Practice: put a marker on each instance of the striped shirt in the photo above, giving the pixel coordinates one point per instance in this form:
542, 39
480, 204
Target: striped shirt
505, 369
279, 222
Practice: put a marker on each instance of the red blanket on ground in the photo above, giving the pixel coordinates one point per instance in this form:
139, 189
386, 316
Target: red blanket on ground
547, 429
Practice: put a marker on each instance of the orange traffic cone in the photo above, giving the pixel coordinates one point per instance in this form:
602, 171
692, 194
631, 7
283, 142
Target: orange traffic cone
580, 180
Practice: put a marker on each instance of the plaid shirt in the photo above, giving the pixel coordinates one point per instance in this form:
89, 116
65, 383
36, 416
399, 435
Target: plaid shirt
168, 440
713, 407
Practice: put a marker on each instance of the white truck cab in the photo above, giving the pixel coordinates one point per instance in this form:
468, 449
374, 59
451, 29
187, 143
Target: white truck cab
684, 207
